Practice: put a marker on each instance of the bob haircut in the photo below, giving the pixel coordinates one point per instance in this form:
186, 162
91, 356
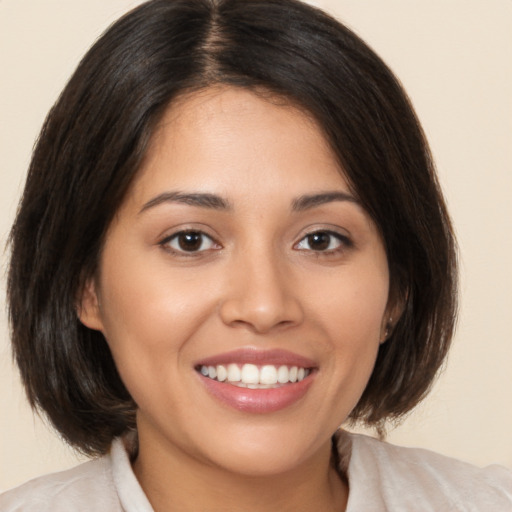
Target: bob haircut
95, 138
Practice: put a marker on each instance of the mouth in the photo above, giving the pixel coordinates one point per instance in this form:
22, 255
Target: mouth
257, 381
252, 376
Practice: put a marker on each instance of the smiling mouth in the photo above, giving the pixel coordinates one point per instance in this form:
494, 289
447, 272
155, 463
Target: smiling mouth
252, 376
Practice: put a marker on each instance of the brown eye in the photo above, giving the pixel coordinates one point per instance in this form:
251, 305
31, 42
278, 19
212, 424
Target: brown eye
319, 241
189, 241
323, 241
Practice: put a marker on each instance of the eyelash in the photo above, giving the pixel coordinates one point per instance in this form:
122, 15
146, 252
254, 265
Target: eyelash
166, 243
342, 243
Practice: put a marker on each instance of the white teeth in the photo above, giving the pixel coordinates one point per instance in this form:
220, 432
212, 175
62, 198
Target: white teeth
222, 373
269, 375
254, 377
234, 373
283, 375
250, 374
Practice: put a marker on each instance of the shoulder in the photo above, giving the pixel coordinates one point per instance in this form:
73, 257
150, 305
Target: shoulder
424, 480
86, 487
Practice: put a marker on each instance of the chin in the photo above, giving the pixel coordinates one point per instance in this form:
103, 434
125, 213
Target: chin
267, 452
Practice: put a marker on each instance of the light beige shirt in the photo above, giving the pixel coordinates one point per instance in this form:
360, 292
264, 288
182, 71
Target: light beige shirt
382, 477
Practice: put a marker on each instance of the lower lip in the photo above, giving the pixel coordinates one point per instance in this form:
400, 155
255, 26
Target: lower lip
258, 401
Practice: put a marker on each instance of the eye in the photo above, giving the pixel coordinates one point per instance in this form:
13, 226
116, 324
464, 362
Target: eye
189, 241
323, 241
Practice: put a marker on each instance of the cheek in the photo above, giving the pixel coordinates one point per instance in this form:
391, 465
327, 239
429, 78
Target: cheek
352, 304
351, 316
359, 324
148, 314
141, 294
147, 325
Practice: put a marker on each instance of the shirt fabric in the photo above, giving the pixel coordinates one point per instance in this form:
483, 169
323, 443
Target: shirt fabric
382, 477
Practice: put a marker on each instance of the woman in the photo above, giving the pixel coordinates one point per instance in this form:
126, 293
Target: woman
231, 241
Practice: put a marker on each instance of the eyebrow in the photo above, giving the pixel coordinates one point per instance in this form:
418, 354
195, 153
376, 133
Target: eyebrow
203, 200
215, 202
307, 202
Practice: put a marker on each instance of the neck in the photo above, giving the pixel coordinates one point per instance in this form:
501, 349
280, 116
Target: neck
174, 481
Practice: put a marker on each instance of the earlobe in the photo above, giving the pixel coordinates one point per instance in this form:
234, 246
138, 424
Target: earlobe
386, 329
390, 319
88, 306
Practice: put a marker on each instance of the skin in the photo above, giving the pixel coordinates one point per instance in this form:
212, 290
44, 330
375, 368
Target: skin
257, 281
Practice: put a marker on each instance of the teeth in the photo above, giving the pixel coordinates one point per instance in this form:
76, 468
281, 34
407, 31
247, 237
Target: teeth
283, 374
250, 374
268, 374
254, 377
222, 373
234, 373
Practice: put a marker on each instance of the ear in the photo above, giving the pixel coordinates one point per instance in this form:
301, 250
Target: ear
393, 312
88, 306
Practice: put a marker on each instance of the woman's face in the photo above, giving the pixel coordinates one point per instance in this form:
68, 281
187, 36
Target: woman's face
242, 288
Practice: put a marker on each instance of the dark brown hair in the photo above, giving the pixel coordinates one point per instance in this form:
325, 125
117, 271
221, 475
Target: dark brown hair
95, 137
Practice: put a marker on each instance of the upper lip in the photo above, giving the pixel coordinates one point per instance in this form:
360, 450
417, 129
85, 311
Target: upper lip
259, 357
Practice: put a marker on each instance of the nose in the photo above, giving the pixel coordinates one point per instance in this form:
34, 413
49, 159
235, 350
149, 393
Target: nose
260, 295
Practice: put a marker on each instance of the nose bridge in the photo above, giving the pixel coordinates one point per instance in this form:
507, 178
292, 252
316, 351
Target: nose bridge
261, 293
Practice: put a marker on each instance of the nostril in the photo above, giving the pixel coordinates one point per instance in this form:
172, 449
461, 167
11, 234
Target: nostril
258, 320
260, 297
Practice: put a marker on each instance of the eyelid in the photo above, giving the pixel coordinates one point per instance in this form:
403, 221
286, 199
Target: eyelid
165, 242
345, 240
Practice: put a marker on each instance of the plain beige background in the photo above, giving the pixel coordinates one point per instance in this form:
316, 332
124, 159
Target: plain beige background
455, 59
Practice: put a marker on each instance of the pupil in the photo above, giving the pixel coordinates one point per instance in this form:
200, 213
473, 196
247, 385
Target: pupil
190, 241
319, 241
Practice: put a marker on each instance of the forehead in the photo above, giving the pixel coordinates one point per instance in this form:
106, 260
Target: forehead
209, 138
